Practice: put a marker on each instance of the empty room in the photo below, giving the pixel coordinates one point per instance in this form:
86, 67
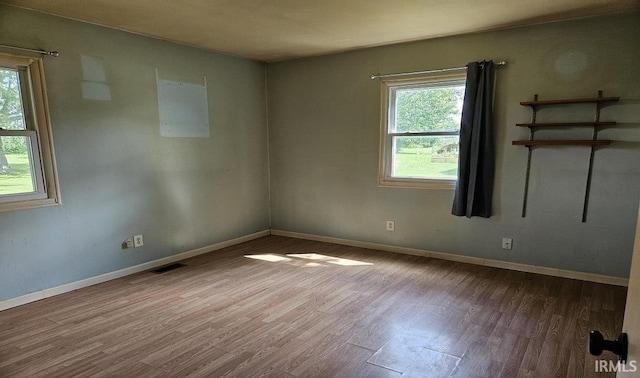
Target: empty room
319, 189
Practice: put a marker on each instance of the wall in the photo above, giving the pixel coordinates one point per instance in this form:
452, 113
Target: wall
324, 140
118, 176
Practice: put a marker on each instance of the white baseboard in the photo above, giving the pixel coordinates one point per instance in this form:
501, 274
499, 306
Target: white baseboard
46, 293
50, 292
592, 277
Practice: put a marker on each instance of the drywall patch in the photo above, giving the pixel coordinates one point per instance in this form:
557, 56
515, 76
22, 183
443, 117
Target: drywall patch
572, 63
183, 108
94, 79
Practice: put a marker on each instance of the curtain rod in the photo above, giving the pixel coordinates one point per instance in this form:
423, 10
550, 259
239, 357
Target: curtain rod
380, 76
43, 52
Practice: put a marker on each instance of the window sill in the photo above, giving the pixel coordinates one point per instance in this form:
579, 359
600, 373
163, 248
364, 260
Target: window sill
417, 184
29, 204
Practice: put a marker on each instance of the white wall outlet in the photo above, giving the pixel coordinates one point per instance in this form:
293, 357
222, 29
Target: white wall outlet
507, 243
391, 226
137, 241
127, 244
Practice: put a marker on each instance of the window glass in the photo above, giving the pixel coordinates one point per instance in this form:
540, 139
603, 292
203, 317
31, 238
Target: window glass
425, 157
11, 104
428, 108
17, 169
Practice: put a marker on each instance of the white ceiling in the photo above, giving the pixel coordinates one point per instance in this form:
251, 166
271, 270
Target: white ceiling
272, 30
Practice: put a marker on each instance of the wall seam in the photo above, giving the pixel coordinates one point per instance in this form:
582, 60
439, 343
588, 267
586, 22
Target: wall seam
266, 112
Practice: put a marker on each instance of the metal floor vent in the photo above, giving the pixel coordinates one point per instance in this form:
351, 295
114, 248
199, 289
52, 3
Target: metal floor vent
167, 268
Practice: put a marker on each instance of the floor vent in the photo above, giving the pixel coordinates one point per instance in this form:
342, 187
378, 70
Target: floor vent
167, 268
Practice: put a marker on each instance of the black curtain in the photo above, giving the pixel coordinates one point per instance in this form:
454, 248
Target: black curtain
474, 188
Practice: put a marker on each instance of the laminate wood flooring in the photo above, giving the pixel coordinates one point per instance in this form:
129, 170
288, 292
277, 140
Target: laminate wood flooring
281, 307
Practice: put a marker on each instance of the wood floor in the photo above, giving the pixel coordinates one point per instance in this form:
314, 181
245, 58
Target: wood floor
280, 307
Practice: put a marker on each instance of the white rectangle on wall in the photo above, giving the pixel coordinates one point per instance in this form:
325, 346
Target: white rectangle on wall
183, 109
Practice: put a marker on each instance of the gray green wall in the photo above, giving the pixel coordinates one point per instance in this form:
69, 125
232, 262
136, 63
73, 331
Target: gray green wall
118, 177
324, 140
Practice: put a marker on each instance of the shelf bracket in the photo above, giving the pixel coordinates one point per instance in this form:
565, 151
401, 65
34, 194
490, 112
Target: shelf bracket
527, 174
587, 190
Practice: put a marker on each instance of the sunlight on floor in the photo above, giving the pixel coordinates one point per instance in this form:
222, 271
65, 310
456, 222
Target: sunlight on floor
329, 259
268, 257
316, 259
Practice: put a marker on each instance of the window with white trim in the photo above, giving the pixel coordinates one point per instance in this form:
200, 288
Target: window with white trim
27, 165
420, 130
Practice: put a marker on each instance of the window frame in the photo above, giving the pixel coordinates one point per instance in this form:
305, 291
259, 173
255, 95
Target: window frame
38, 130
387, 92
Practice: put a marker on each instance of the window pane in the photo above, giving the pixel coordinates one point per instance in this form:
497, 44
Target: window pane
16, 166
427, 108
11, 109
429, 157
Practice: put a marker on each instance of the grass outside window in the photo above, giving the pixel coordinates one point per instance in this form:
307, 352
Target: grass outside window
19, 180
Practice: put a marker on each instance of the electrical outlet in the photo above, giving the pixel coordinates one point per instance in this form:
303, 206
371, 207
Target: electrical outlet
137, 241
507, 243
127, 244
391, 226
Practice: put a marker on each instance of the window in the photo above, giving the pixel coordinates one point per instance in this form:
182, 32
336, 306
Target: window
27, 166
420, 131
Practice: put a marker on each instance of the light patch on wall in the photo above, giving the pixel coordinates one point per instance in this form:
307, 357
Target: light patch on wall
183, 108
571, 63
94, 79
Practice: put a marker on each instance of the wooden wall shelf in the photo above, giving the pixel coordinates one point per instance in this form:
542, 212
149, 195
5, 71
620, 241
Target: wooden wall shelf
593, 143
566, 124
562, 142
570, 101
